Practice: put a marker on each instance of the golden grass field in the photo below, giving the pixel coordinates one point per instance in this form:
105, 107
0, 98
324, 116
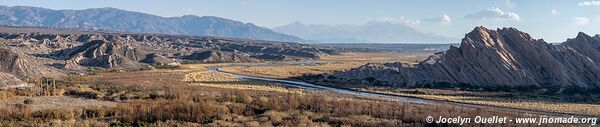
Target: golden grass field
208, 78
327, 64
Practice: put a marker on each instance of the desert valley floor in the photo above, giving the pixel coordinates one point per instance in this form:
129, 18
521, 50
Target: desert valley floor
195, 94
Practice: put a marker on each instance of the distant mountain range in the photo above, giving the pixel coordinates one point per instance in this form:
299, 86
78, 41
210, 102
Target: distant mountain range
369, 32
128, 21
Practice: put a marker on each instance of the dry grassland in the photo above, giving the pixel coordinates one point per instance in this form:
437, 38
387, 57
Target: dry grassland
327, 64
214, 79
528, 104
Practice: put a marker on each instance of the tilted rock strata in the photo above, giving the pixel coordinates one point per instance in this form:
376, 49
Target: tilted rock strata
497, 57
104, 54
16, 68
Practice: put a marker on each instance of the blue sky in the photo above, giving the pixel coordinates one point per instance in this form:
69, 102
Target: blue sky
553, 20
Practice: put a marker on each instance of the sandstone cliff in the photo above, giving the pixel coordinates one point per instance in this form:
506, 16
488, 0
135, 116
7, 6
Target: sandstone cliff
504, 56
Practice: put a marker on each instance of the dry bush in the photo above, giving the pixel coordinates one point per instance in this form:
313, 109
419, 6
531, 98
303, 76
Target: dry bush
275, 116
528, 104
25, 92
62, 114
57, 92
85, 91
78, 123
252, 124
5, 95
17, 112
153, 111
244, 108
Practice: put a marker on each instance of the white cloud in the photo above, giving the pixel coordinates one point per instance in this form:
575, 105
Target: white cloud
397, 20
581, 21
554, 12
493, 14
243, 2
590, 3
444, 19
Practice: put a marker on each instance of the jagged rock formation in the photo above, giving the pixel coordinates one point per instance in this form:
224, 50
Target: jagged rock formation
49, 40
15, 66
99, 53
496, 57
75, 51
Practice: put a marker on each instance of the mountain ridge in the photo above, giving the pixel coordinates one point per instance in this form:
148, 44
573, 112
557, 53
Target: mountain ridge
131, 21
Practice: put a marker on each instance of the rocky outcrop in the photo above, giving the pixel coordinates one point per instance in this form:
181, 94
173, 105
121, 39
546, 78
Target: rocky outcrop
42, 40
31, 52
155, 59
118, 55
17, 67
496, 57
9, 81
218, 56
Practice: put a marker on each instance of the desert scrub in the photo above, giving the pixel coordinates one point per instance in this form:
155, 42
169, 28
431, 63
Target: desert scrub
85, 91
528, 104
251, 87
228, 81
241, 108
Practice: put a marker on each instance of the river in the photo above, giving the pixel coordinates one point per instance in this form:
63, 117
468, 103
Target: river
305, 85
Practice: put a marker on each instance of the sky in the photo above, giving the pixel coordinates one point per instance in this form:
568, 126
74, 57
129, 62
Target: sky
552, 20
